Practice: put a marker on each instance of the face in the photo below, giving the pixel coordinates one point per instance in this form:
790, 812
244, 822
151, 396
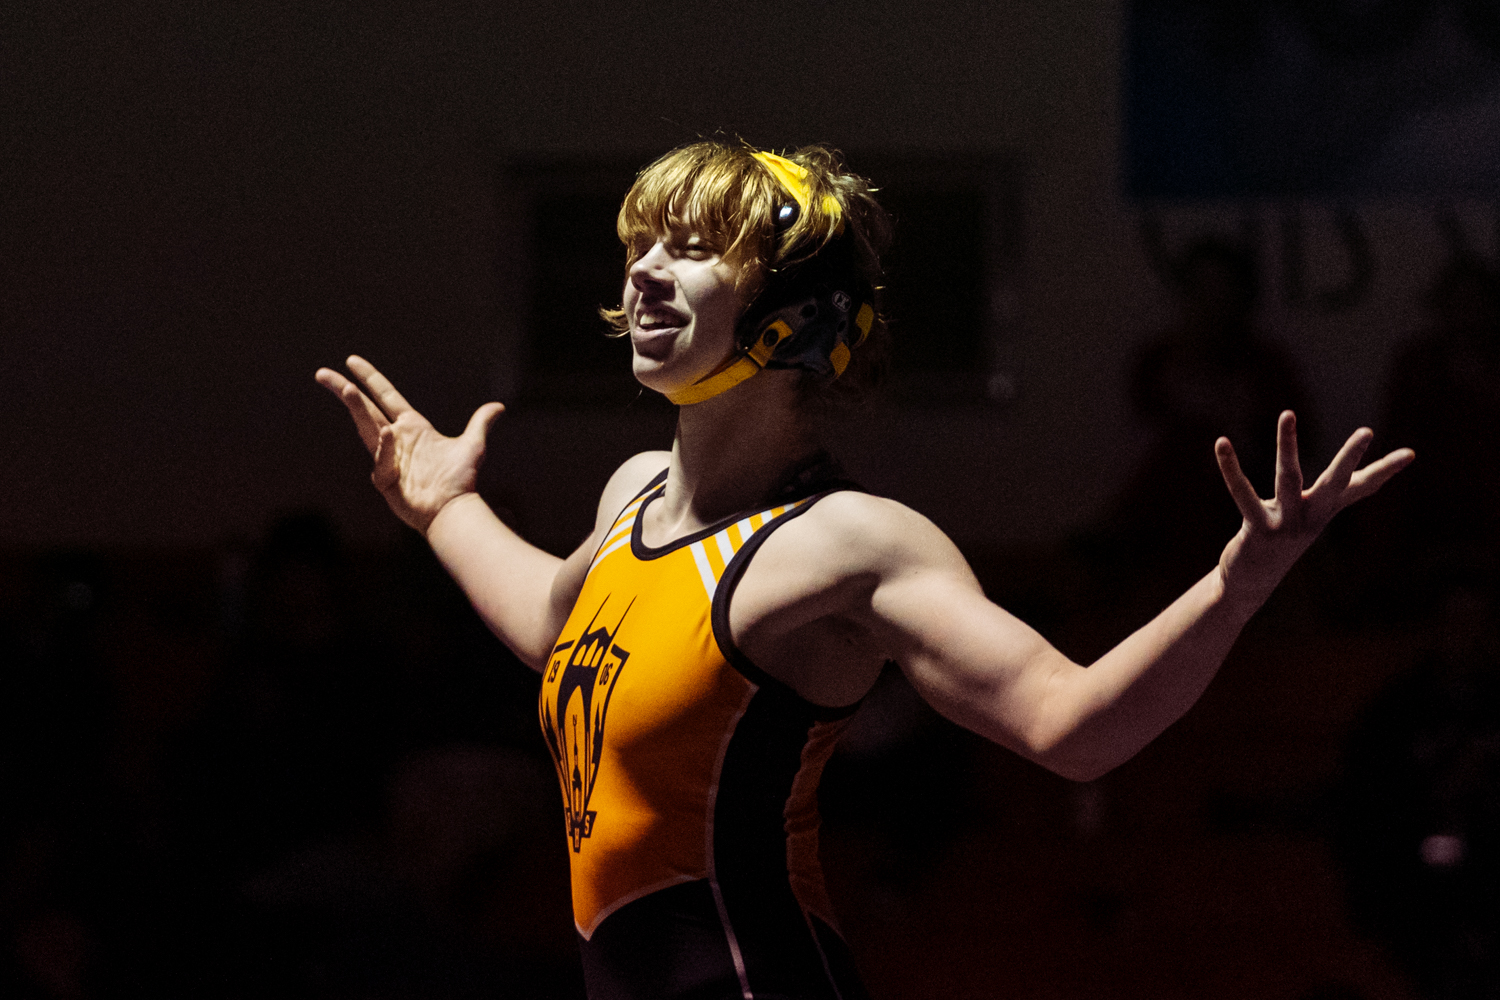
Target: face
682, 304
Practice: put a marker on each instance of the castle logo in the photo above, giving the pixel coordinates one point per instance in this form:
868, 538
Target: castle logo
573, 720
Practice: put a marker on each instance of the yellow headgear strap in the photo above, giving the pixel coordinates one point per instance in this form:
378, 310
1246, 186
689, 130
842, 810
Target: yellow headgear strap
792, 177
731, 373
736, 369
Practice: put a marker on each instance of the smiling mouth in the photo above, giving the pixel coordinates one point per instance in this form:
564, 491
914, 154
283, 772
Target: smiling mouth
655, 333
651, 322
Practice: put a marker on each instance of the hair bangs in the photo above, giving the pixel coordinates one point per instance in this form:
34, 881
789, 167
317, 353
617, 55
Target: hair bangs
713, 190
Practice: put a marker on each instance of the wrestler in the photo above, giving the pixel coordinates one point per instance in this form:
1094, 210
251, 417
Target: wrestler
702, 648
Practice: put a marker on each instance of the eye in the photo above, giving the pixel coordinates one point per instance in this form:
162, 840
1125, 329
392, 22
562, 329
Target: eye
637, 248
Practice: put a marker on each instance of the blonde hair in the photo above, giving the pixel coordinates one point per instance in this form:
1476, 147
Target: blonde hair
721, 192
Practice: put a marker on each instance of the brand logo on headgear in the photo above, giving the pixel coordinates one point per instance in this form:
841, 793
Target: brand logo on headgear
841, 302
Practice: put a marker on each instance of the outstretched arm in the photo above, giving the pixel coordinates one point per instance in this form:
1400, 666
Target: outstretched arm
990, 672
428, 480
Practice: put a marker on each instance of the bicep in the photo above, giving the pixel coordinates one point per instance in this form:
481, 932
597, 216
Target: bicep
568, 582
971, 660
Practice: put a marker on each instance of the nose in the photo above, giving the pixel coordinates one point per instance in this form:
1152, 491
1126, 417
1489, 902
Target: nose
650, 268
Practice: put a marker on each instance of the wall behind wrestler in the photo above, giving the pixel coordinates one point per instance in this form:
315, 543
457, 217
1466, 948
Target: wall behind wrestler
202, 207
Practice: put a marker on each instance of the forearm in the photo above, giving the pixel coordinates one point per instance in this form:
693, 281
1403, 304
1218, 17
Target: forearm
1100, 717
508, 580
986, 670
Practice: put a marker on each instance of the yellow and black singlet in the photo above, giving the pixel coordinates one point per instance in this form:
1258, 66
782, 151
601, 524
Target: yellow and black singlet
689, 779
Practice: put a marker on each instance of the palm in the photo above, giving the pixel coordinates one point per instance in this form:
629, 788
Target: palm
417, 469
1275, 532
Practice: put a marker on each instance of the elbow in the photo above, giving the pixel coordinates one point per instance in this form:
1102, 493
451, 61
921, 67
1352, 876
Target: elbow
1079, 771
1075, 759
1074, 766
1065, 755
1067, 737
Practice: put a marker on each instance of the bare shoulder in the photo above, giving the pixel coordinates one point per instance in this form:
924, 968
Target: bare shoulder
805, 610
628, 480
875, 535
851, 543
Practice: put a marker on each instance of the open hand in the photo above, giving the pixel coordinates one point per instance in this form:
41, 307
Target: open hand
417, 469
1276, 531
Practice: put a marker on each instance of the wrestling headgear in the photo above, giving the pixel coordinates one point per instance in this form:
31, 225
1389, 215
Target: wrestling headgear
813, 310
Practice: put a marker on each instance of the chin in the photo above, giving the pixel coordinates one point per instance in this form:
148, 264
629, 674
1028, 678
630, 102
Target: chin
671, 373
643, 367
651, 374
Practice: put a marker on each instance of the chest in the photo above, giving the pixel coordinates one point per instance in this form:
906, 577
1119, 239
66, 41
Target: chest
637, 668
767, 593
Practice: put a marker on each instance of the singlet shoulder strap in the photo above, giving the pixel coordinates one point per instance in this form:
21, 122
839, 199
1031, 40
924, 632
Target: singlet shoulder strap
656, 481
641, 494
611, 539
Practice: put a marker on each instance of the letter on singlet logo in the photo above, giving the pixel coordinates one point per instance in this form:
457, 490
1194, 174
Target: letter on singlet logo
574, 728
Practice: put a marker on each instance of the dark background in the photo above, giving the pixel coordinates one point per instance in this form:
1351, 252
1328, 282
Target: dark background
255, 744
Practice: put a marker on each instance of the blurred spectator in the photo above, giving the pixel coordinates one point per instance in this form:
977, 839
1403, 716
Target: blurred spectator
295, 740
1210, 374
359, 810
1444, 401
900, 786
1419, 805
55, 724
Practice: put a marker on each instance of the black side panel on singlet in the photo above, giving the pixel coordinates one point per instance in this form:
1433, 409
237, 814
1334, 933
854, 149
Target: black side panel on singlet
670, 943
781, 954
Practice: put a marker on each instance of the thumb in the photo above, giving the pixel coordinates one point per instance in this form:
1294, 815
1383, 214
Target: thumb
481, 421
386, 471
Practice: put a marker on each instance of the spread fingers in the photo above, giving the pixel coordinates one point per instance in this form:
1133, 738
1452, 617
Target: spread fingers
1251, 506
380, 388
368, 418
1377, 473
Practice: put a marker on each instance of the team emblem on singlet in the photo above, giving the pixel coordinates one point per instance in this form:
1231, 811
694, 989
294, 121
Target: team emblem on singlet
573, 725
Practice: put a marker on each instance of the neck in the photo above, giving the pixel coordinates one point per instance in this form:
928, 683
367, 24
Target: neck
734, 450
